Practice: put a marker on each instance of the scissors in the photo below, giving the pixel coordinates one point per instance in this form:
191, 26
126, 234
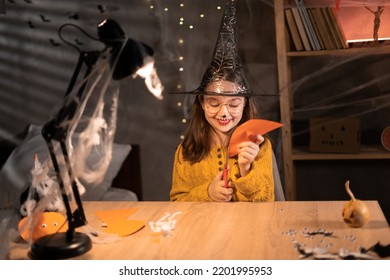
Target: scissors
225, 173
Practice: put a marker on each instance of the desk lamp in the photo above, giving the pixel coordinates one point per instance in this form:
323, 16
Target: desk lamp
126, 57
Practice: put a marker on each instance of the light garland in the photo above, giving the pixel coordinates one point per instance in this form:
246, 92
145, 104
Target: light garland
184, 26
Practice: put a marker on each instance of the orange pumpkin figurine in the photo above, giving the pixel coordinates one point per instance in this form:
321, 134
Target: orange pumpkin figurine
355, 212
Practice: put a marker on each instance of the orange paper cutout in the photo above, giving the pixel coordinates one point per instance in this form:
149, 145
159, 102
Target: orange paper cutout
124, 227
48, 223
245, 131
113, 215
116, 221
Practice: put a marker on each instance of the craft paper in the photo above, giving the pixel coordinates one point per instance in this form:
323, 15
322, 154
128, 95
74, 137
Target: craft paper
48, 223
113, 215
124, 227
116, 221
247, 130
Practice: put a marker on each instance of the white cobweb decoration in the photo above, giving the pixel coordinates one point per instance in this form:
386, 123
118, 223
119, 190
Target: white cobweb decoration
88, 133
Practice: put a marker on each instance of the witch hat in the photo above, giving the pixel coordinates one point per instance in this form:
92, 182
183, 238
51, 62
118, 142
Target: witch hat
226, 63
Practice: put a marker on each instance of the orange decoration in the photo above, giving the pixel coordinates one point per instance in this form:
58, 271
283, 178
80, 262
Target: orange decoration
247, 130
124, 227
116, 221
118, 214
48, 223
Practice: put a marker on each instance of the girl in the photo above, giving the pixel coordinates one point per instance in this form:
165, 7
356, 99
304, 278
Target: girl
199, 159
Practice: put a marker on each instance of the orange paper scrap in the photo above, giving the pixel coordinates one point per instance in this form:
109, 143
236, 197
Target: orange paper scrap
245, 132
116, 221
118, 214
124, 227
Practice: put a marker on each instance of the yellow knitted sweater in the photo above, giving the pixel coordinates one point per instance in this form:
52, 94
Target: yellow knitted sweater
190, 181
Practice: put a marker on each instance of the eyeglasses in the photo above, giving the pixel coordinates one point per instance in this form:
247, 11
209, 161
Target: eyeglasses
214, 105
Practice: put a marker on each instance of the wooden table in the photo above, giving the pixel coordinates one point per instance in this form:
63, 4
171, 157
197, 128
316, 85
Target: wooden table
215, 231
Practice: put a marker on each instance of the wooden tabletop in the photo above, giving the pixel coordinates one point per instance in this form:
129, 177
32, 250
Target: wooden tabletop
216, 231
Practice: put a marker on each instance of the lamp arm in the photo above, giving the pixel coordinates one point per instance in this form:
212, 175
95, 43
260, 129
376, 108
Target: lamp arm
77, 218
57, 129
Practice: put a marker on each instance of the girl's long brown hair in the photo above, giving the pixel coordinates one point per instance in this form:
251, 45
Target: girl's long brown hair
197, 141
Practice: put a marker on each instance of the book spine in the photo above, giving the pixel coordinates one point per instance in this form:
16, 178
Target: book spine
316, 29
328, 29
339, 30
322, 29
293, 30
301, 29
308, 25
333, 32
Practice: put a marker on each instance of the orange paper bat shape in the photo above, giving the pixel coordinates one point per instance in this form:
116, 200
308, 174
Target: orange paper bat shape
48, 223
245, 132
116, 221
115, 214
124, 227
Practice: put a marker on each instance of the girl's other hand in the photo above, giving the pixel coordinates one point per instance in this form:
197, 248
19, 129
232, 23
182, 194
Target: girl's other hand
218, 192
247, 152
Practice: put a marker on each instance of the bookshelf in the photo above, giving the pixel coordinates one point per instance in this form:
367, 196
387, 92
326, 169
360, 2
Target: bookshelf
287, 56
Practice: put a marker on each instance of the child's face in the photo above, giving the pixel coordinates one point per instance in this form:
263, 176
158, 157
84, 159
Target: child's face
223, 112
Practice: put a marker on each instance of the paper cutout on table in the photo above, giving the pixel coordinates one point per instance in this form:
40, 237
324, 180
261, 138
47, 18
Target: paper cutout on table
124, 227
116, 214
48, 223
116, 221
245, 132
165, 224
322, 247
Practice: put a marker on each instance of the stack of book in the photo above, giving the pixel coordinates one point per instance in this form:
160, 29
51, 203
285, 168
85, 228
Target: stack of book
314, 29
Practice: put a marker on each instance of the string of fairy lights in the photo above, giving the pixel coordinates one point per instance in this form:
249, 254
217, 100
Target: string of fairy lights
187, 20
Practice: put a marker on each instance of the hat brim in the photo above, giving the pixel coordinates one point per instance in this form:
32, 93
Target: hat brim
202, 92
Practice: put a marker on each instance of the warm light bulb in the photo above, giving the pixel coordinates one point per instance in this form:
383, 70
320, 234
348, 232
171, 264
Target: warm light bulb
181, 57
151, 7
191, 27
201, 15
166, 9
149, 74
181, 41
179, 104
181, 69
181, 137
184, 120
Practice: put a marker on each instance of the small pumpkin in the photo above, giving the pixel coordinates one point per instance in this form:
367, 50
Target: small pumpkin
355, 212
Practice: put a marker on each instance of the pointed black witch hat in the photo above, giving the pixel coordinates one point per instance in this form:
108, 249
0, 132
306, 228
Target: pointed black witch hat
226, 63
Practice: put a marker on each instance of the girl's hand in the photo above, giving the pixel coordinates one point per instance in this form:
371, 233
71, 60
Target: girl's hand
247, 152
217, 190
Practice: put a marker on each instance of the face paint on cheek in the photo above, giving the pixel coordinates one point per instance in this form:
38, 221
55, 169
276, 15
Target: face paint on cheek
222, 121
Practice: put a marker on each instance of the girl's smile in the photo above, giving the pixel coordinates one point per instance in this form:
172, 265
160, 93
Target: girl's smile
223, 121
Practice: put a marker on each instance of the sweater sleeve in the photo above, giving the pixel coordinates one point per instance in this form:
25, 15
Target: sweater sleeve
258, 184
184, 185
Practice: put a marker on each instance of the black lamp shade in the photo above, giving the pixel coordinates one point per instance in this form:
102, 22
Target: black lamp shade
127, 55
128, 59
110, 33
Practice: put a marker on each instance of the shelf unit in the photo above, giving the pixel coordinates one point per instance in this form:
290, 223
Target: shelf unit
290, 153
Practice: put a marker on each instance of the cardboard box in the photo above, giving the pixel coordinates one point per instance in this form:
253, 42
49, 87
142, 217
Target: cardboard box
340, 135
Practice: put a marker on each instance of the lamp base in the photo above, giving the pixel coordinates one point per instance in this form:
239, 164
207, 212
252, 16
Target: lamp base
57, 246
